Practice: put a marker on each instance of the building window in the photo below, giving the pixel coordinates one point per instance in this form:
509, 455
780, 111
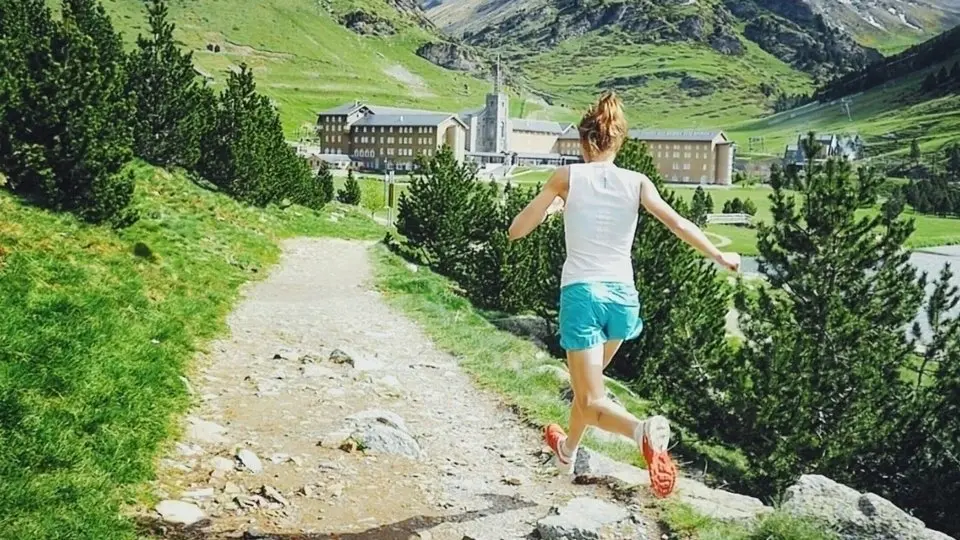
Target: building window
704, 167
686, 155
676, 166
659, 154
686, 166
686, 178
686, 147
703, 178
676, 154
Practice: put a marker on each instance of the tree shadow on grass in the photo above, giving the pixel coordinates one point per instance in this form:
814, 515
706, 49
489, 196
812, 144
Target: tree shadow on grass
149, 527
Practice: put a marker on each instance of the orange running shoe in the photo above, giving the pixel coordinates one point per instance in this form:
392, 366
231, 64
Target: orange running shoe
555, 436
655, 441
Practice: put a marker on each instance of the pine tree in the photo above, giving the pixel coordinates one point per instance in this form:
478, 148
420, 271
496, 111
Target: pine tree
325, 180
709, 203
929, 83
915, 154
684, 303
245, 153
350, 194
826, 337
168, 125
698, 207
436, 214
68, 135
943, 77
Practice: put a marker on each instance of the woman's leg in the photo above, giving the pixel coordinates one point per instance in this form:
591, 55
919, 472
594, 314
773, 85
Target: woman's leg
590, 403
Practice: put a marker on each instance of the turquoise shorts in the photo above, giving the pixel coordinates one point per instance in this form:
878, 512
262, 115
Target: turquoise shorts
592, 313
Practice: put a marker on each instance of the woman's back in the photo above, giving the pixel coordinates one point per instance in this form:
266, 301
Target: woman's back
600, 220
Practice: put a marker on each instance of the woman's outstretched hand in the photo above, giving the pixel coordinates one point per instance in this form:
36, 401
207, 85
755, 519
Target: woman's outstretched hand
730, 261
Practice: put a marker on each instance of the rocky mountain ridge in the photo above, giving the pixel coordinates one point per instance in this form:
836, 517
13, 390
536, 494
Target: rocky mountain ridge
792, 30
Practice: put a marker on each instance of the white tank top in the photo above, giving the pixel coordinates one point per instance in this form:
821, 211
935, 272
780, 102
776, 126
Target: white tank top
600, 220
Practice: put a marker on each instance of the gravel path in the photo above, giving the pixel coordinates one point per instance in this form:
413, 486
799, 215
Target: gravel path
271, 390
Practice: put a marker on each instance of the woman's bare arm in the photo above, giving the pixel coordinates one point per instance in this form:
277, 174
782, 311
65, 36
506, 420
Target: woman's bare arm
683, 227
542, 205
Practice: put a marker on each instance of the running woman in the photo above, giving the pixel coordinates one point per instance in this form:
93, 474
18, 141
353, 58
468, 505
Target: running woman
599, 302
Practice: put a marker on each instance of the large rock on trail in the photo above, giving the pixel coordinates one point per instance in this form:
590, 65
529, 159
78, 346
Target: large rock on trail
853, 515
595, 468
180, 513
383, 432
582, 518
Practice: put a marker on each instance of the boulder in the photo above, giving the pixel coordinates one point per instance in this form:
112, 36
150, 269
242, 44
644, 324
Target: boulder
534, 328
389, 418
853, 515
339, 356
451, 56
717, 503
580, 519
595, 468
382, 431
726, 43
250, 460
386, 439
180, 513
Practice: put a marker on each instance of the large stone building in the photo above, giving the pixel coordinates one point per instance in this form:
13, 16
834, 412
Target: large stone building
690, 157
386, 138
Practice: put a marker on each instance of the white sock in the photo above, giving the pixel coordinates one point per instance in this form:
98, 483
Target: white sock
566, 454
639, 431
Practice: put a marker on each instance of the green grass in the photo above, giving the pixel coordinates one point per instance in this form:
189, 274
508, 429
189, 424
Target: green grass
94, 339
930, 230
684, 522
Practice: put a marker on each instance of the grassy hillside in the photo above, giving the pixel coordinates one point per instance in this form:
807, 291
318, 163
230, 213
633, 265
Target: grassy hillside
888, 117
722, 90
305, 60
96, 329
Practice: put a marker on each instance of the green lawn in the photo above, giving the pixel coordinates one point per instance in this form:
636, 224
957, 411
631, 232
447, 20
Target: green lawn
930, 230
96, 329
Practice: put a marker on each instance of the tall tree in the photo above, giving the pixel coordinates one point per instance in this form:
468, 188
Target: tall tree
698, 207
350, 194
826, 338
915, 154
943, 77
325, 180
168, 125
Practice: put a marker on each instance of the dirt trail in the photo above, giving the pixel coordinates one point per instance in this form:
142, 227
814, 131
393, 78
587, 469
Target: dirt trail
273, 390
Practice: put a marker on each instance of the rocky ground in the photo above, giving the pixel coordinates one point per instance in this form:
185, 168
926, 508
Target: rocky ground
326, 414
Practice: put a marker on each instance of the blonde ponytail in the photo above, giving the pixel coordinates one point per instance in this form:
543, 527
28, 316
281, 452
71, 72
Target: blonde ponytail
604, 127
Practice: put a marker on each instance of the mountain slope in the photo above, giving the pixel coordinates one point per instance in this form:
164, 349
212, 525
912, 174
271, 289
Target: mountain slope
306, 58
913, 95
